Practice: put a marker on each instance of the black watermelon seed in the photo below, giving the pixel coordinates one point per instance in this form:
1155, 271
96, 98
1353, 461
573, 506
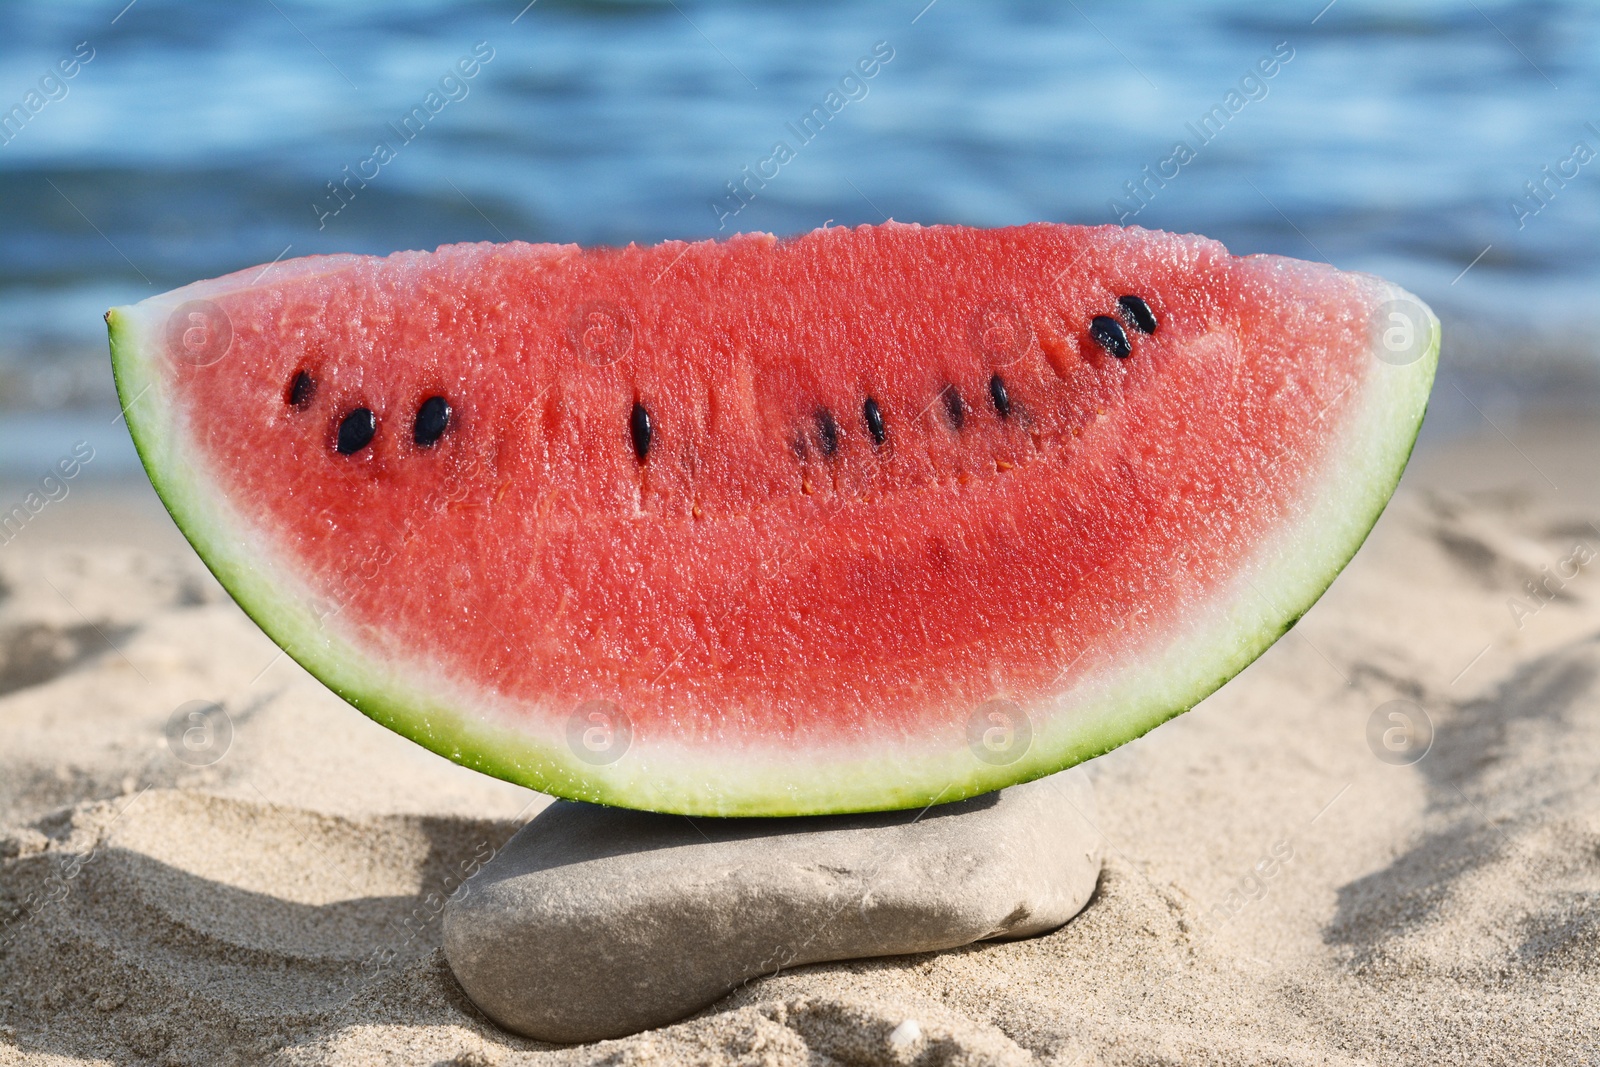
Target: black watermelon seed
642, 431
1001, 398
874, 419
1136, 313
1108, 334
433, 418
954, 407
356, 431
301, 390
827, 432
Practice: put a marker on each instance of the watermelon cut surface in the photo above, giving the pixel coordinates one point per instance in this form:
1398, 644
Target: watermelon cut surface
860, 519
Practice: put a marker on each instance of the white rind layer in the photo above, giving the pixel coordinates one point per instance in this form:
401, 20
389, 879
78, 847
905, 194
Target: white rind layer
1105, 707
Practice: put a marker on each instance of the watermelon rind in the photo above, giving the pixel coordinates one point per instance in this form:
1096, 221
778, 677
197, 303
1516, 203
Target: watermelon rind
1278, 582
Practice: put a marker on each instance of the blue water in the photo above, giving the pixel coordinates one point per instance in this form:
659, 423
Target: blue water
202, 138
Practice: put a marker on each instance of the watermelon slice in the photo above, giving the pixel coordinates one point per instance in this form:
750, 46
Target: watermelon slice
861, 519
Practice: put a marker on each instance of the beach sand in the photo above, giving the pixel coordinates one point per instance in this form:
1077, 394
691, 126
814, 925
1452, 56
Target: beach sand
1275, 893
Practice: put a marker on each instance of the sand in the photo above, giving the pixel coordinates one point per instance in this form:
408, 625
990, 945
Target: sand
1275, 893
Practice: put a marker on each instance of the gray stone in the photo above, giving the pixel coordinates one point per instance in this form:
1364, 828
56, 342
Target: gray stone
598, 922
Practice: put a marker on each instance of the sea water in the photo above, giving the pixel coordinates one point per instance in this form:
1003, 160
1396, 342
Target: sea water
1452, 147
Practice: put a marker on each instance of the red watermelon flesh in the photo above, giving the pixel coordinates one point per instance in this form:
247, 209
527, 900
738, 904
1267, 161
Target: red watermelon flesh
901, 529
